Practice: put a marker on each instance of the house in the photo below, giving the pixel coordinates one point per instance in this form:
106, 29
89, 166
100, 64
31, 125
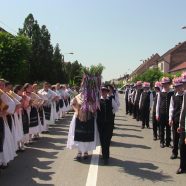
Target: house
2, 30
172, 58
147, 64
179, 68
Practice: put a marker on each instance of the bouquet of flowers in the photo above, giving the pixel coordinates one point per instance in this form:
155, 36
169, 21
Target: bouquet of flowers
91, 86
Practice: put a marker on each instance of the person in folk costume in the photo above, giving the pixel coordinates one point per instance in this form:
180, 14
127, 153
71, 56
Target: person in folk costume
162, 112
145, 104
70, 93
155, 123
66, 96
59, 104
139, 90
38, 101
32, 111
7, 145
182, 130
23, 116
104, 121
55, 99
12, 119
83, 133
48, 105
43, 101
55, 103
126, 98
130, 99
113, 95
174, 113
18, 123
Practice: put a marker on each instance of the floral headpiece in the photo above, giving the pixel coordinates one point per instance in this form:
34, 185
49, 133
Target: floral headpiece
146, 84
177, 81
158, 85
183, 76
165, 80
138, 83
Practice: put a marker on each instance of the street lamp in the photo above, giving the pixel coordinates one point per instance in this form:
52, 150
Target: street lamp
63, 57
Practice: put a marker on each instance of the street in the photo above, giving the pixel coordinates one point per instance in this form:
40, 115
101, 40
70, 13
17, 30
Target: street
136, 160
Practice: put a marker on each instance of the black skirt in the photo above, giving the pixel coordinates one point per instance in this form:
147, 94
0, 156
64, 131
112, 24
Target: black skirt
34, 117
41, 115
9, 121
61, 103
66, 102
57, 106
84, 131
25, 121
2, 134
47, 111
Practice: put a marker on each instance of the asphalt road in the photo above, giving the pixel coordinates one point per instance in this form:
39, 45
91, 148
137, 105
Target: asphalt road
136, 160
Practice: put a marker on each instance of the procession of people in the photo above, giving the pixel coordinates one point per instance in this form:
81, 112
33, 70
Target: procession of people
27, 111
165, 103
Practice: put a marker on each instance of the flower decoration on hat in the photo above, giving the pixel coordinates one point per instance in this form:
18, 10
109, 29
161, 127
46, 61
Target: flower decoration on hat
146, 85
138, 83
183, 76
158, 84
165, 80
177, 81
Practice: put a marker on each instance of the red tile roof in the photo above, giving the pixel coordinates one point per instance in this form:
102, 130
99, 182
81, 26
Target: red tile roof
181, 66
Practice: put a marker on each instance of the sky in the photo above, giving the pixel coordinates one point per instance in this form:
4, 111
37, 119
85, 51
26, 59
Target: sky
116, 33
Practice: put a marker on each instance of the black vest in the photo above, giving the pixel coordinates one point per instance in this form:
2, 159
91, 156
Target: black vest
165, 98
134, 96
155, 103
177, 106
104, 115
139, 92
145, 100
126, 94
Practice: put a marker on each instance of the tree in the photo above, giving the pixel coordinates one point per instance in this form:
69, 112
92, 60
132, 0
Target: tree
73, 72
40, 61
58, 66
14, 55
150, 75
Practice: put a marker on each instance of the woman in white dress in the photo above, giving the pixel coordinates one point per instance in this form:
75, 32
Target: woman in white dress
8, 147
83, 133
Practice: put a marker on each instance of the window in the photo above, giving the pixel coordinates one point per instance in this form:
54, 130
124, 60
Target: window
162, 66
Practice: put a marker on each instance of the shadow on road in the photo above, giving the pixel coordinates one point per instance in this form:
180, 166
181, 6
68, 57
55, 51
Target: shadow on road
127, 135
35, 163
141, 170
127, 145
119, 128
119, 119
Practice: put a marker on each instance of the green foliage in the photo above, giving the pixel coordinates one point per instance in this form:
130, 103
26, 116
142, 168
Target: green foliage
150, 75
14, 55
93, 70
30, 57
73, 72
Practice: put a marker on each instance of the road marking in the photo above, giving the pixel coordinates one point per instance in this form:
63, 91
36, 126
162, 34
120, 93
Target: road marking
93, 169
